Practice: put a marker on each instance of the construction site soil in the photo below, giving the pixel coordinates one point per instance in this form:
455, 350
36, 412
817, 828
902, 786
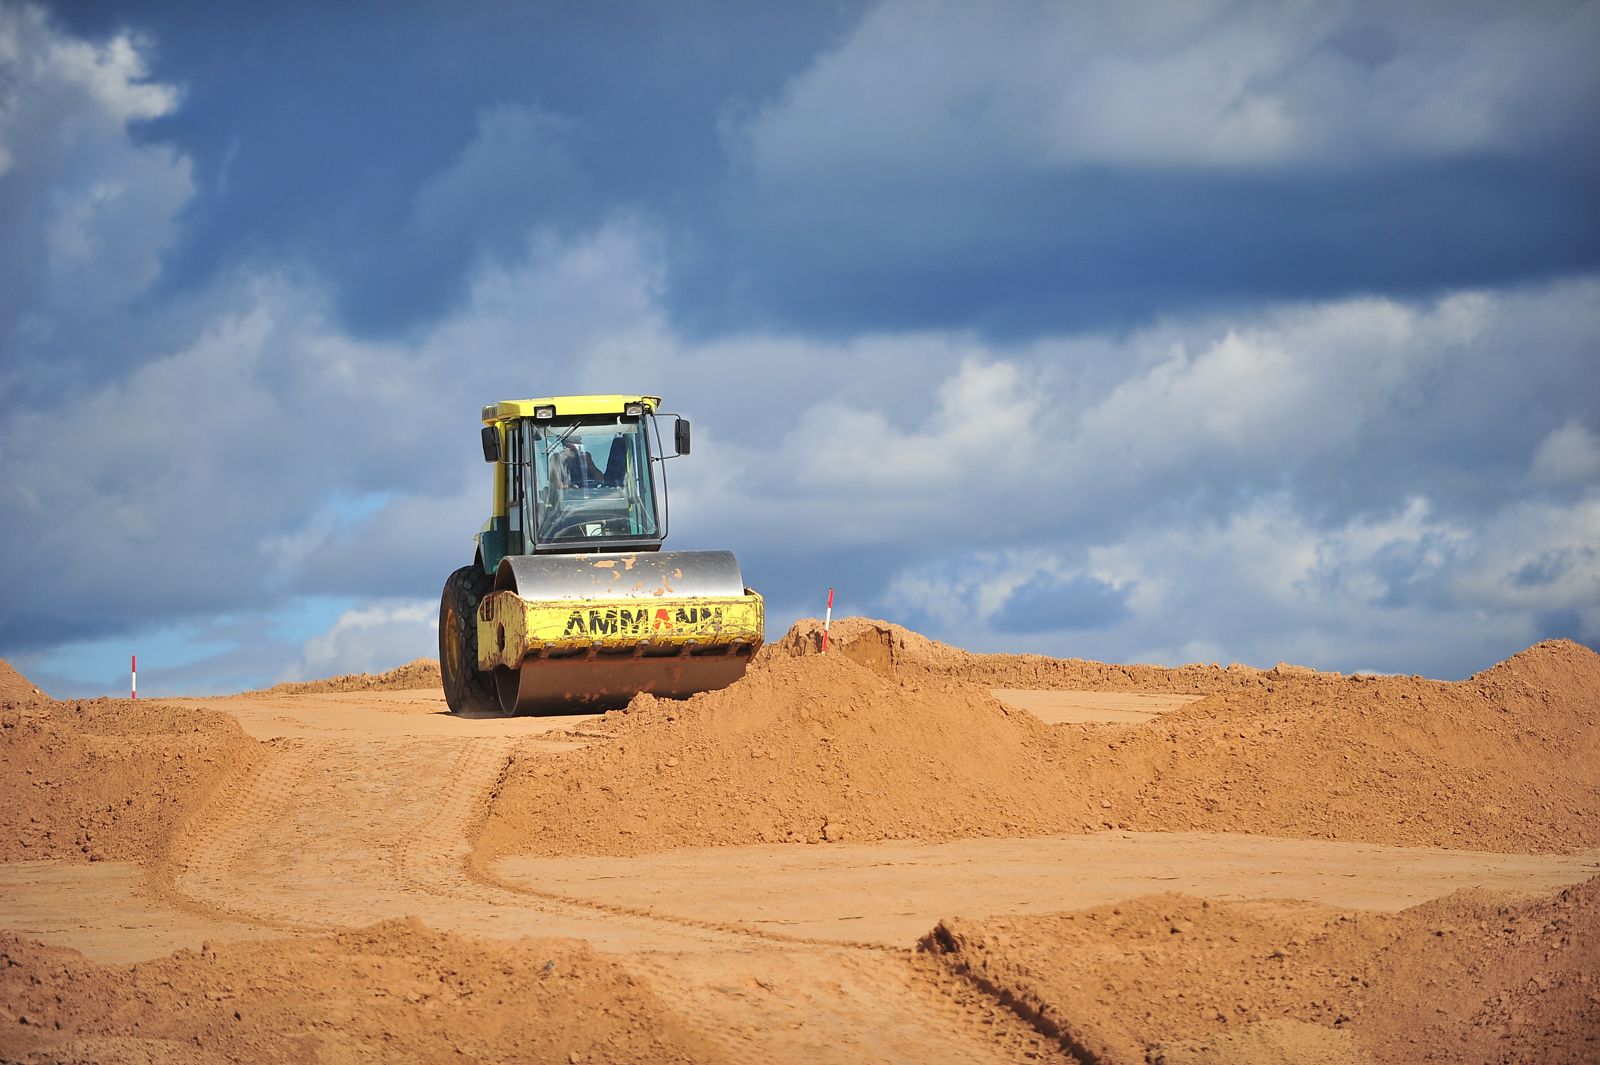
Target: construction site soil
108, 778
883, 741
17, 690
885, 853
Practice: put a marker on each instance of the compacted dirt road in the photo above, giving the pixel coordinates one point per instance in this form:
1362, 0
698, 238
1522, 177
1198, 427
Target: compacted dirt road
898, 853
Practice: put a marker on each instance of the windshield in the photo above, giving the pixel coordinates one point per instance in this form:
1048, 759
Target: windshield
591, 481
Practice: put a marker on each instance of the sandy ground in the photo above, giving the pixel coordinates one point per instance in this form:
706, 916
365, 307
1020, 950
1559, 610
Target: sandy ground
1091, 708
892, 893
358, 875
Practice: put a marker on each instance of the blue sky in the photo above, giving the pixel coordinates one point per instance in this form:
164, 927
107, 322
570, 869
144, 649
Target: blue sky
1157, 332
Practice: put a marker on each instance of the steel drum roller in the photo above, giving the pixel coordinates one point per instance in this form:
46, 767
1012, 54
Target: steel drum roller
605, 679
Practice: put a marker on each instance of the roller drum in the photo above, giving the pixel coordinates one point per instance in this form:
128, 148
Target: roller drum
631, 575
608, 679
608, 682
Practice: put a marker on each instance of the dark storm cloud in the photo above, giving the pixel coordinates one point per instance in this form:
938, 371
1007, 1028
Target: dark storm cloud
1023, 256
1030, 167
323, 133
1022, 169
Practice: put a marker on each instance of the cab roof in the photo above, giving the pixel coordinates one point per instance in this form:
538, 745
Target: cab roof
565, 406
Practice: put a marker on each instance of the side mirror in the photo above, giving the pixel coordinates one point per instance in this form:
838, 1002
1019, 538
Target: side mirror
680, 436
491, 444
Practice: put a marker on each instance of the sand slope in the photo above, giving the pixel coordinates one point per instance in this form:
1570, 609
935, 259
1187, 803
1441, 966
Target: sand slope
108, 778
392, 992
867, 745
363, 801
1472, 977
17, 690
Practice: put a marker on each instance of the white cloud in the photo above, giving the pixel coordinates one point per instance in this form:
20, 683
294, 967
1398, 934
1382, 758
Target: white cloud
371, 639
113, 74
1403, 591
984, 415
218, 475
1060, 437
1535, 557
1569, 455
87, 212
1305, 379
960, 88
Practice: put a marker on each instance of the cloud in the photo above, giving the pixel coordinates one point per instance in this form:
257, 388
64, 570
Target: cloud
518, 173
1299, 383
517, 169
371, 639
1535, 557
219, 474
1305, 475
1360, 402
1040, 86
1050, 603
1405, 590
275, 456
1569, 455
1007, 592
1039, 167
88, 211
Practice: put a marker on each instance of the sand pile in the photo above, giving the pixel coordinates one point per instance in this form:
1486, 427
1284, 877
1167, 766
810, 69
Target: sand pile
17, 690
1506, 760
898, 651
886, 740
801, 750
419, 673
1472, 977
393, 992
108, 778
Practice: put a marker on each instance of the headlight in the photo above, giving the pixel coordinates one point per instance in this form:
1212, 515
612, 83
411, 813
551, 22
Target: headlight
544, 413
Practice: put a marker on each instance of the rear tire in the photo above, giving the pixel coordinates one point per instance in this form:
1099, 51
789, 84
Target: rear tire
467, 689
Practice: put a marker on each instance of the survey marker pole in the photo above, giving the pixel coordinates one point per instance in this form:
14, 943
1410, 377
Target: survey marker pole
827, 620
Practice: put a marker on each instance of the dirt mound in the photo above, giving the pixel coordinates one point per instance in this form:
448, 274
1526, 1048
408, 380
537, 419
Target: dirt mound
802, 750
890, 739
1551, 669
1506, 760
1472, 977
867, 640
420, 673
17, 690
897, 651
1475, 977
395, 991
108, 778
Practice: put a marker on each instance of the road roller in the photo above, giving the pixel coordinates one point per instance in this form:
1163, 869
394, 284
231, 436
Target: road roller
570, 603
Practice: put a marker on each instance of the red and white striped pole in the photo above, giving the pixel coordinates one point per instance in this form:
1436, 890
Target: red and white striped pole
133, 676
826, 621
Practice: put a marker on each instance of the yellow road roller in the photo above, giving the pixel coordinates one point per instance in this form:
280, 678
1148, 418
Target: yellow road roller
570, 604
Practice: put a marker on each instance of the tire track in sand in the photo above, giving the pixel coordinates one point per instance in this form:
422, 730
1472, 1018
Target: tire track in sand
202, 859
328, 834
332, 833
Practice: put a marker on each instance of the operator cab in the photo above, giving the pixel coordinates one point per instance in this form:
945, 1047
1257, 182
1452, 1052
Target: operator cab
578, 474
589, 480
